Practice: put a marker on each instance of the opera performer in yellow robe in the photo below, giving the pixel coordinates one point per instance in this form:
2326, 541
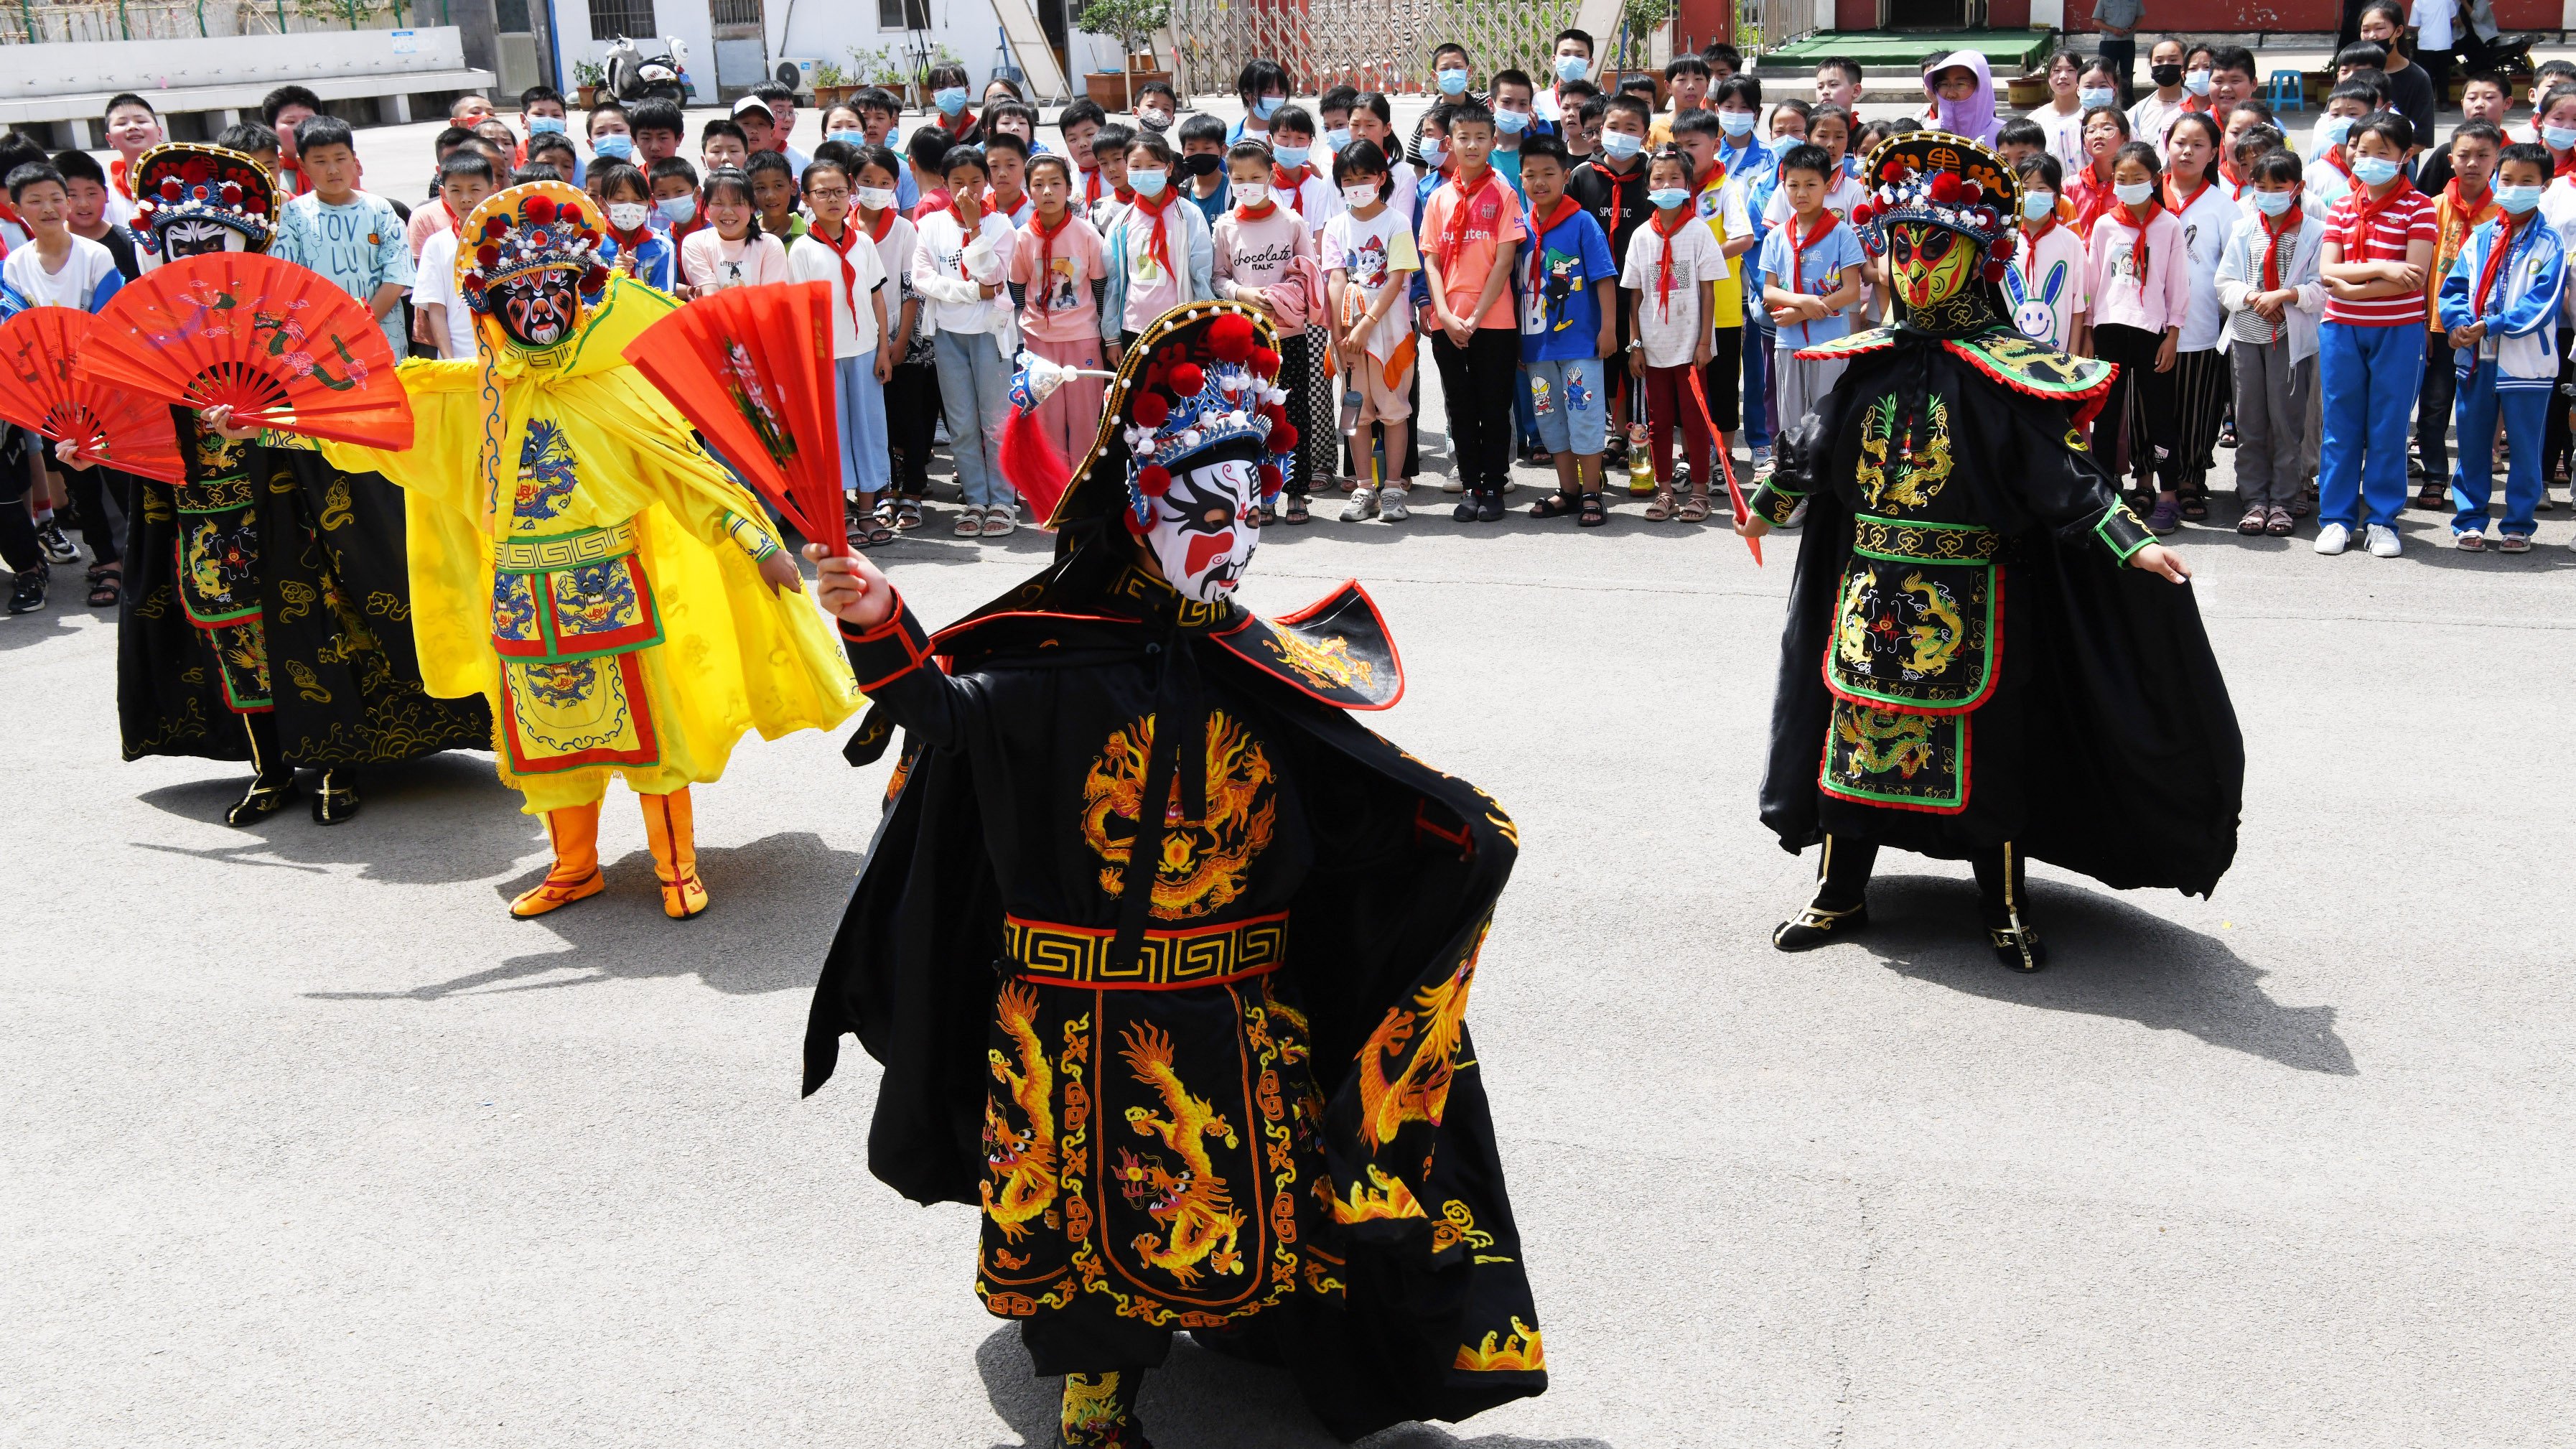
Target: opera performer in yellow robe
579, 558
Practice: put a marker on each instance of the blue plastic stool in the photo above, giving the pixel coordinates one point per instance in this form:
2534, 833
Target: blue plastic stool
2286, 90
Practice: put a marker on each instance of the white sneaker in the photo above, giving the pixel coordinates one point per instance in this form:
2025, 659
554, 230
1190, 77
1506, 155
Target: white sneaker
1453, 484
2383, 541
1390, 506
1362, 503
1511, 486
2333, 538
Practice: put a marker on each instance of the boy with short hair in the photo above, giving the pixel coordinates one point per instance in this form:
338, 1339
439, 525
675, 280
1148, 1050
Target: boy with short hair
2267, 281
1472, 227
1581, 127
611, 136
1687, 78
1295, 175
2482, 98
781, 101
1078, 124
2378, 248
657, 126
2501, 300
1514, 97
1109, 150
1569, 62
133, 128
55, 268
1333, 108
282, 111
464, 179
2048, 284
86, 183
1157, 106
774, 196
759, 127
1006, 161
2329, 172
347, 235
2463, 204
674, 184
721, 144
1811, 268
2020, 138
1838, 81
1569, 296
1718, 201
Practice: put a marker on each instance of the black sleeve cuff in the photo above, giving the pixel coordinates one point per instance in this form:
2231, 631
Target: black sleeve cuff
889, 651
2121, 532
1773, 504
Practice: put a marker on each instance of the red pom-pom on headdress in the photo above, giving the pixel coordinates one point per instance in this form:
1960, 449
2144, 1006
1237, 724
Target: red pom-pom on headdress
1153, 410
1265, 363
1154, 480
1270, 479
1283, 438
540, 209
1230, 337
1946, 187
1187, 379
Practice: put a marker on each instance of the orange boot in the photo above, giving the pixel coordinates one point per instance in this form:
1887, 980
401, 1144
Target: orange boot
575, 833
669, 827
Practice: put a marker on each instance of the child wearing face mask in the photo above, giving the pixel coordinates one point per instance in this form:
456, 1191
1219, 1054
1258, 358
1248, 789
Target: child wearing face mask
1673, 269
1298, 176
1265, 258
1056, 282
1513, 116
2268, 283
1200, 173
839, 255
912, 390
961, 265
2329, 168
628, 243
2462, 204
1450, 77
2378, 247
2198, 199
2148, 118
2140, 282
2500, 303
1263, 89
1369, 260
1161, 250
2049, 294
675, 198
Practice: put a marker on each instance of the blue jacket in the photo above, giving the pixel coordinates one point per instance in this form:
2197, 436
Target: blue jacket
2522, 309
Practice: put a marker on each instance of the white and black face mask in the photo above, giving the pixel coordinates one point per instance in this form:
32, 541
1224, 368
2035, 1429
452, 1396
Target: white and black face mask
196, 236
1203, 534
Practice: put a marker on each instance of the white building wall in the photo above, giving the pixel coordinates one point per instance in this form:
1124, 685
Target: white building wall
686, 21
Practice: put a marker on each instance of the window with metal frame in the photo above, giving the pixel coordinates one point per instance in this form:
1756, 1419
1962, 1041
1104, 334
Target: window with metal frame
610, 19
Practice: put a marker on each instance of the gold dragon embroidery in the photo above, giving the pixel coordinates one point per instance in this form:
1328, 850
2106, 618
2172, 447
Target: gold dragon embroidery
1420, 1092
1389, 1199
1881, 740
1520, 1353
1193, 1207
1937, 642
1022, 1162
1920, 471
1205, 864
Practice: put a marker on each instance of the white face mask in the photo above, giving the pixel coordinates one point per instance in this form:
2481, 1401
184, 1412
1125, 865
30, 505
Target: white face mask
627, 215
1251, 193
874, 198
1359, 195
2132, 193
1202, 534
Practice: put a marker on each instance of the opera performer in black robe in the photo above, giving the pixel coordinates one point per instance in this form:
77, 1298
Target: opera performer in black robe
1968, 671
267, 612
1166, 957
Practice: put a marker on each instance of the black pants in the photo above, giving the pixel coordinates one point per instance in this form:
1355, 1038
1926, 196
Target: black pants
1723, 380
88, 488
912, 419
2554, 438
2433, 410
2140, 407
1477, 381
2120, 53
18, 547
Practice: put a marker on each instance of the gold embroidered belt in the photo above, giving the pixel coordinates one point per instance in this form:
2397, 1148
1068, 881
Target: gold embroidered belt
1167, 960
1914, 541
565, 550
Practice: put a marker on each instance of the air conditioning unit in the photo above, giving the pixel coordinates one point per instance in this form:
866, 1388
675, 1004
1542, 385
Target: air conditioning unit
797, 75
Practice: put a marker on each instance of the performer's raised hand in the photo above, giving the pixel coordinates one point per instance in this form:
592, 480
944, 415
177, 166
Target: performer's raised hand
2155, 558
221, 420
63, 452
851, 588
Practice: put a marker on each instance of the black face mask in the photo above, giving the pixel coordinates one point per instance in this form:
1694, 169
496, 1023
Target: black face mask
537, 309
2166, 77
1201, 164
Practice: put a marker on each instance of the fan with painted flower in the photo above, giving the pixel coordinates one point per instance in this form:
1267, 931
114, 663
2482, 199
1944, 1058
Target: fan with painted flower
40, 388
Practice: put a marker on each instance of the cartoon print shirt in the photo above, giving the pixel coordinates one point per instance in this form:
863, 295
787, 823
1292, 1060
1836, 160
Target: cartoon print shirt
1060, 305
359, 246
1561, 316
1376, 253
2047, 285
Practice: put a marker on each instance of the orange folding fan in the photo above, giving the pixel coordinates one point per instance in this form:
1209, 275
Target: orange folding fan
282, 346
39, 389
751, 369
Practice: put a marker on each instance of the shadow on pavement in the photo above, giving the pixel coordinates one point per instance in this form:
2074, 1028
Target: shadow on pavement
2107, 958
439, 820
772, 907
1201, 1400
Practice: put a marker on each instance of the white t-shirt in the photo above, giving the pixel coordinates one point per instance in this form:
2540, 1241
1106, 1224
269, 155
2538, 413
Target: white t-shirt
1373, 253
435, 281
854, 327
76, 285
2432, 22
2205, 227
1318, 200
2047, 284
1671, 325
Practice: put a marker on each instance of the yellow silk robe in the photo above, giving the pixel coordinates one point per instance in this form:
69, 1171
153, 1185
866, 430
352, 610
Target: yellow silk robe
579, 560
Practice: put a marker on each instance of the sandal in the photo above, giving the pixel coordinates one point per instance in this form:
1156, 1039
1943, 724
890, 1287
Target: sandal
907, 514
1558, 504
106, 586
2514, 543
2253, 521
871, 534
1662, 507
1695, 507
2469, 542
2195, 507
1596, 512
970, 523
2280, 524
1295, 512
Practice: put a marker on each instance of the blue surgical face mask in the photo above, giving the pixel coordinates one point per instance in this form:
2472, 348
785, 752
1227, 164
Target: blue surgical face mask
2278, 203
541, 125
2560, 138
1572, 67
1291, 155
2373, 170
680, 210
1147, 183
2038, 204
2517, 199
613, 147
1433, 153
1511, 123
1738, 124
2096, 99
847, 138
2196, 82
949, 99
1336, 138
1665, 198
1621, 145
1268, 106
1452, 82
2333, 129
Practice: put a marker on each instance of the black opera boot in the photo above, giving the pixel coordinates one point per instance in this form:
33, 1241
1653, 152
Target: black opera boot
1100, 1411
336, 801
2004, 888
1841, 906
272, 783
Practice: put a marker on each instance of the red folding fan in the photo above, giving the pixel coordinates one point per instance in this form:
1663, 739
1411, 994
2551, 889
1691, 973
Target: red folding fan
109, 425
751, 369
282, 346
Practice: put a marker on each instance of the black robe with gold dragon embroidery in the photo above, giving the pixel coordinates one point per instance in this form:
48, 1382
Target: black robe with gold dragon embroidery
1222, 1082
272, 583
1967, 662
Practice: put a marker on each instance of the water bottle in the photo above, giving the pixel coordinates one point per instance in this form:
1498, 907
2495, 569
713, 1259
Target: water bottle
1351, 409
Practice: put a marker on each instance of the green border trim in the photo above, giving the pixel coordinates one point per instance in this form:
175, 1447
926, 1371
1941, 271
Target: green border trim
1840, 689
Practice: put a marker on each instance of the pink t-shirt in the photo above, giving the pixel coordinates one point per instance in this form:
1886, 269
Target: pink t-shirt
2119, 295
709, 263
1257, 260
1491, 230
1060, 307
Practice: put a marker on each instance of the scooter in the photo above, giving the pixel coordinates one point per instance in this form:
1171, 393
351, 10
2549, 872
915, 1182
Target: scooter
634, 76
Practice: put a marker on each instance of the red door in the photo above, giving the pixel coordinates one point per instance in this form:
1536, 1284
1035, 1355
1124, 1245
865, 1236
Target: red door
1856, 14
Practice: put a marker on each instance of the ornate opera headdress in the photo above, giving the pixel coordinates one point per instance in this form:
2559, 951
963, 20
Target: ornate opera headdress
192, 181
541, 226
1938, 179
1203, 375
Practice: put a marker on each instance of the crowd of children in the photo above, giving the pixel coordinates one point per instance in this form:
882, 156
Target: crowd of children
1592, 274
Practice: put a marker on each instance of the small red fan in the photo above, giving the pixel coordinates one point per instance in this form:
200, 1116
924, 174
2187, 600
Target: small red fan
282, 346
39, 389
751, 369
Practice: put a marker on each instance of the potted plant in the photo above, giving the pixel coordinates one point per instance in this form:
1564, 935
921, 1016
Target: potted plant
1132, 24
1638, 21
831, 86
589, 76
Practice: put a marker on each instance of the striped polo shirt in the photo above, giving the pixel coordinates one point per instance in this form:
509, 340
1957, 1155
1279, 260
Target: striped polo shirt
2405, 220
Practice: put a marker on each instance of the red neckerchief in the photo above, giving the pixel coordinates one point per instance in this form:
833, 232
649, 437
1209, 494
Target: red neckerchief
1160, 208
877, 229
2334, 158
959, 124
687, 229
2495, 260
850, 274
1256, 213
1816, 230
1090, 186
2565, 164
1008, 212
2457, 219
1453, 236
972, 229
1664, 263
2274, 228
1126, 195
1280, 176
1046, 236
118, 177
2094, 199
2178, 203
1556, 216
2031, 239
630, 245
2356, 235
2138, 248
2227, 173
